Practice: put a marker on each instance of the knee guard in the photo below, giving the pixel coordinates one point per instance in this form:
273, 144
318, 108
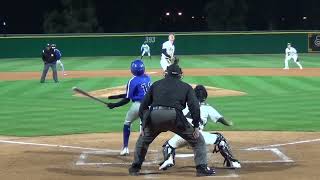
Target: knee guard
221, 145
167, 151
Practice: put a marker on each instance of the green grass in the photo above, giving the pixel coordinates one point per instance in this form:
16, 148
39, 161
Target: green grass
199, 61
29, 108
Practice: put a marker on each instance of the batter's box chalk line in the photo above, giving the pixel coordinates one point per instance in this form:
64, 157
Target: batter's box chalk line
87, 150
282, 158
82, 161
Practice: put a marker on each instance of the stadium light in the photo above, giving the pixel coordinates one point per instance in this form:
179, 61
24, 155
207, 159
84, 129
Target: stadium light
4, 23
304, 18
192, 17
179, 13
167, 13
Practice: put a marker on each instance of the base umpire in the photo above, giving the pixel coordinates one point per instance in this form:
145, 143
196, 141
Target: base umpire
49, 59
167, 98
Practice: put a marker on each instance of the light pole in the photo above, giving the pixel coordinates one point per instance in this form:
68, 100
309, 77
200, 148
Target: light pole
4, 29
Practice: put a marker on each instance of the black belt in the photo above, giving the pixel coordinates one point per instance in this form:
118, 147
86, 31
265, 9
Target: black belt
162, 108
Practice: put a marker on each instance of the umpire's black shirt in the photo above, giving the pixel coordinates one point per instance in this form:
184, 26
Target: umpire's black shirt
49, 56
172, 92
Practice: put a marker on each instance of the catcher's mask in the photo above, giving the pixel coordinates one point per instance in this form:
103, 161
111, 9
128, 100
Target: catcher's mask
201, 93
174, 70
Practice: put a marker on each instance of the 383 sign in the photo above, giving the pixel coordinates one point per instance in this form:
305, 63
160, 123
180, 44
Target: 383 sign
150, 39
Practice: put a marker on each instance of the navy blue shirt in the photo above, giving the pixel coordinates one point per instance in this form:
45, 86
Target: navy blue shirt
58, 54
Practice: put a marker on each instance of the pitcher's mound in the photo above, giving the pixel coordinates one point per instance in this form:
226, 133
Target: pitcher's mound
212, 92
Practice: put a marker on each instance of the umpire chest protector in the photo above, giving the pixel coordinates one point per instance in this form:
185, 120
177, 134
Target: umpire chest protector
49, 56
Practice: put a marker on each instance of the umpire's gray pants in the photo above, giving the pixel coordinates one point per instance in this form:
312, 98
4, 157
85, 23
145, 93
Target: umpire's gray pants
45, 71
164, 120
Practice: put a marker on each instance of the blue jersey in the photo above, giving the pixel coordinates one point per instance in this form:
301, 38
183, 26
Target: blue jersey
137, 87
57, 53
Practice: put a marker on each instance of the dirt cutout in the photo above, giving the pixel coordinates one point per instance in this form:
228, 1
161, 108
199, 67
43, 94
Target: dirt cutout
306, 72
96, 157
212, 92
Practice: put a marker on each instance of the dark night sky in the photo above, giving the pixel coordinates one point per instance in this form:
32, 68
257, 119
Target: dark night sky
118, 16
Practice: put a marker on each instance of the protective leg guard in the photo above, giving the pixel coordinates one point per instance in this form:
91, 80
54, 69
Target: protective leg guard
168, 156
221, 145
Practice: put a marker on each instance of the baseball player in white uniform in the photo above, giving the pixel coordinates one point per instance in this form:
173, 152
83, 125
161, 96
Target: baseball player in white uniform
167, 52
145, 49
216, 139
291, 53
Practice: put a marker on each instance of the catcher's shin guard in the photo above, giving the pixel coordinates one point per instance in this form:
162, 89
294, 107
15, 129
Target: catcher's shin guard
221, 145
167, 152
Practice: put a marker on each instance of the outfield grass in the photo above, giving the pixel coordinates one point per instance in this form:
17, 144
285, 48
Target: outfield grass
29, 108
199, 61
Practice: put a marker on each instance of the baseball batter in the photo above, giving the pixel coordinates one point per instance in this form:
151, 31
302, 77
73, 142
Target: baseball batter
145, 49
58, 55
167, 52
216, 139
291, 53
137, 87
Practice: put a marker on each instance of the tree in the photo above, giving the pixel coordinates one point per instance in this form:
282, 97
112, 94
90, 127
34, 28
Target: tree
226, 15
76, 16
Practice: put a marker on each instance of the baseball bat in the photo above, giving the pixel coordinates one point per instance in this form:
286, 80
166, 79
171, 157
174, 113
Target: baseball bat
78, 90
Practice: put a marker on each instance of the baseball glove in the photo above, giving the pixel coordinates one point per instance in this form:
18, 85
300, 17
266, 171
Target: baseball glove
173, 60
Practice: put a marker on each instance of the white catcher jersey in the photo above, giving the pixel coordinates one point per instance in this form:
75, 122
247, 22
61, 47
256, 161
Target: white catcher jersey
169, 47
291, 51
145, 47
206, 112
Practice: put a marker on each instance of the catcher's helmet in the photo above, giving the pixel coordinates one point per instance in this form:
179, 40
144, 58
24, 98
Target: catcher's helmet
174, 69
201, 93
137, 67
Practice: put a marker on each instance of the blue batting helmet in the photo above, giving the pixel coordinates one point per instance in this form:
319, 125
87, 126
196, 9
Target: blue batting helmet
137, 67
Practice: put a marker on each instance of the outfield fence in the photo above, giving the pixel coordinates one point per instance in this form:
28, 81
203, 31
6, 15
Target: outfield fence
81, 45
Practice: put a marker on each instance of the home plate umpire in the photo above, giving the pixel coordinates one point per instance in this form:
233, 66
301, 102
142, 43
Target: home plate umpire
167, 98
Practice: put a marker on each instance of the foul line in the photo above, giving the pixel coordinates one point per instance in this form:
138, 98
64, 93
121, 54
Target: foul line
52, 145
284, 144
95, 150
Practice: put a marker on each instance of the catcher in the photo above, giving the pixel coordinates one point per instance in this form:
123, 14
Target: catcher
216, 139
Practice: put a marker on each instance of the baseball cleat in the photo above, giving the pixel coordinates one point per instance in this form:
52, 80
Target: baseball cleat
286, 68
134, 170
235, 165
204, 170
65, 74
124, 152
167, 164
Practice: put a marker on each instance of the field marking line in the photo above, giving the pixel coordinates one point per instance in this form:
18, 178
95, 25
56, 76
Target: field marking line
281, 155
51, 145
276, 151
84, 155
94, 150
284, 144
80, 163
